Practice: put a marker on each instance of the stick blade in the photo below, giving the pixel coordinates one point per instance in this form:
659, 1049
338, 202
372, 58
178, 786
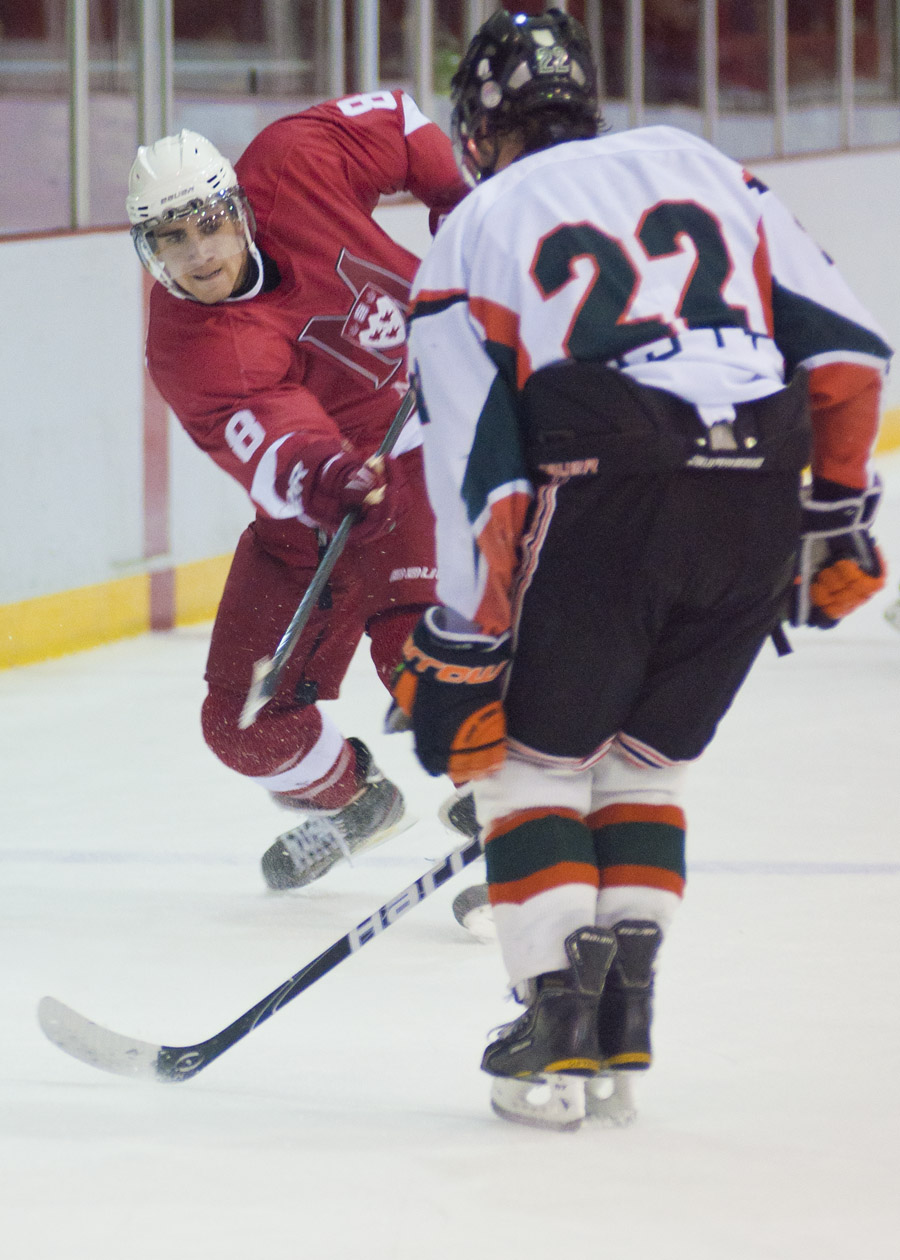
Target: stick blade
259, 692
97, 1046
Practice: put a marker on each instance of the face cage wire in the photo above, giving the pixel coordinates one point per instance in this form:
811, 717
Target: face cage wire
467, 168
466, 125
232, 201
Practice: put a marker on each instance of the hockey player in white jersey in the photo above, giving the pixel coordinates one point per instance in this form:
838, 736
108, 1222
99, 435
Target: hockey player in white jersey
627, 352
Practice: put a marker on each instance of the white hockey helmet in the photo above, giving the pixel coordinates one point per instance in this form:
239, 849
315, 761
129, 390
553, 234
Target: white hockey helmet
176, 177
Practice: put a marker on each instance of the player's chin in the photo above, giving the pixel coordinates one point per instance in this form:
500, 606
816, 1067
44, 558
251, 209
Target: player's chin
208, 289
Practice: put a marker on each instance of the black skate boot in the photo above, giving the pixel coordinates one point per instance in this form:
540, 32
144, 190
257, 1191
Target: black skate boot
558, 1031
307, 852
624, 1016
626, 1008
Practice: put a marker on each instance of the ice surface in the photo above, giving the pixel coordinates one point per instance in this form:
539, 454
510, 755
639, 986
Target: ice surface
356, 1122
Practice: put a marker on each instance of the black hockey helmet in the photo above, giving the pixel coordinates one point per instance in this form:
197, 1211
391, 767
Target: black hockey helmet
517, 66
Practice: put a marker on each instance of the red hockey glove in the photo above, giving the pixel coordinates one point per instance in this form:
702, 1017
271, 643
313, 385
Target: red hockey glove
345, 484
840, 566
450, 686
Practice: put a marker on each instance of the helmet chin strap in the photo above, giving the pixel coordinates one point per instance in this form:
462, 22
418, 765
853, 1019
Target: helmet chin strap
252, 282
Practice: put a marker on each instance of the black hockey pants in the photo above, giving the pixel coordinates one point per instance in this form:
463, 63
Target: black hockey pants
649, 579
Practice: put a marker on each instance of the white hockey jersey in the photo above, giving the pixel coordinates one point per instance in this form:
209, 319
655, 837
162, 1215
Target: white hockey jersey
651, 252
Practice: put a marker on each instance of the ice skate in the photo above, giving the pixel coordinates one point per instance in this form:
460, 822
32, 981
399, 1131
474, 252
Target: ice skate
307, 852
554, 1040
624, 1016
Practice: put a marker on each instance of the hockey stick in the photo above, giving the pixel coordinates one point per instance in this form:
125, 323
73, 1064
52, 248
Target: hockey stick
111, 1052
268, 669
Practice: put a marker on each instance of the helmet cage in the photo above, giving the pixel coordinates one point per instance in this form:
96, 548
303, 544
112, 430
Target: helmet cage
515, 66
230, 203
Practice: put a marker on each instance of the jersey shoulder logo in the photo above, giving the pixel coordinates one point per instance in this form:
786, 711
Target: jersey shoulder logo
370, 338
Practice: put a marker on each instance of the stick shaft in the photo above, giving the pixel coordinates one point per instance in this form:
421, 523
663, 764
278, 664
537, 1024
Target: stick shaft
110, 1051
182, 1062
268, 673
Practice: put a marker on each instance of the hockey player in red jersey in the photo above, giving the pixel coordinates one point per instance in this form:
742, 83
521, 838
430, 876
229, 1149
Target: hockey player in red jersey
277, 335
627, 351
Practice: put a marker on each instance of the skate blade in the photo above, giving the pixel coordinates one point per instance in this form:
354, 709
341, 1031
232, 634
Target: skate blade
552, 1101
609, 1099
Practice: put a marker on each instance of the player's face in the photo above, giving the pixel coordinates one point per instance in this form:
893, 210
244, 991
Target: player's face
205, 253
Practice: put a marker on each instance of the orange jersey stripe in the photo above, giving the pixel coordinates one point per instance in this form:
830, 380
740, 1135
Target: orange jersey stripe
500, 324
515, 891
498, 543
762, 271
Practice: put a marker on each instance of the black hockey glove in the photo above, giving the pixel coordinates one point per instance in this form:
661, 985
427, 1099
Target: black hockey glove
840, 566
450, 687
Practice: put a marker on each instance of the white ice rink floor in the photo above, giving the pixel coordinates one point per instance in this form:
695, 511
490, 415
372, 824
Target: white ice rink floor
355, 1122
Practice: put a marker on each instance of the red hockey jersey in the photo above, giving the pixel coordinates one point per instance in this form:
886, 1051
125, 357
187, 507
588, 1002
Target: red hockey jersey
274, 384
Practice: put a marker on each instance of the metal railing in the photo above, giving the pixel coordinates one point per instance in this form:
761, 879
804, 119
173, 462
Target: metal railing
153, 70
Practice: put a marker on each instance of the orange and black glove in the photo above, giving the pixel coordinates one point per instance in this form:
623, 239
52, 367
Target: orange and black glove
840, 566
449, 689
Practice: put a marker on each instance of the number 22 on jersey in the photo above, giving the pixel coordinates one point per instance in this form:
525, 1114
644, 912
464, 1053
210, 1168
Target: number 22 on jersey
604, 324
